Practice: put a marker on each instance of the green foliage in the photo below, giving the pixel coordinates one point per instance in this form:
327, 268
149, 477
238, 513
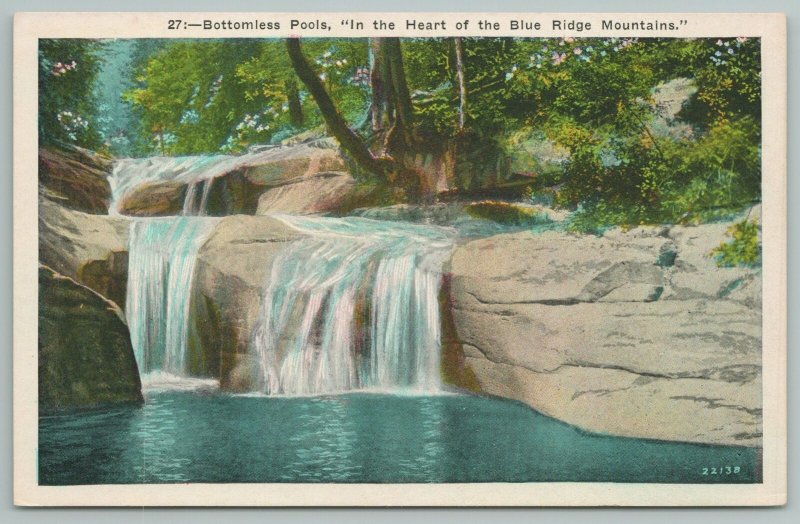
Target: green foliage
431, 73
728, 76
67, 107
578, 120
533, 155
719, 171
223, 96
117, 120
189, 97
744, 249
602, 110
505, 213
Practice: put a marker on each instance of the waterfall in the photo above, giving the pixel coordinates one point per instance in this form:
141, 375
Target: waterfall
190, 206
131, 173
353, 305
161, 265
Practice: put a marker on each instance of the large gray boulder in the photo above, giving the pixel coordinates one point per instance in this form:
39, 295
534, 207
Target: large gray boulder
695, 273
91, 249
85, 355
634, 333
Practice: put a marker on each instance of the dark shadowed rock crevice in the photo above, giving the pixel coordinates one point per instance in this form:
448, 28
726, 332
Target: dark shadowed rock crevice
85, 355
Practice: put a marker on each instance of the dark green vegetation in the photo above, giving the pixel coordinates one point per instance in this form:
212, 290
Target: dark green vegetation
592, 125
505, 213
85, 354
189, 437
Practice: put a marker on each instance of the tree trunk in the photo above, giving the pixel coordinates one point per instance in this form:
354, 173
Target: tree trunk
295, 107
396, 168
462, 87
336, 124
380, 84
404, 112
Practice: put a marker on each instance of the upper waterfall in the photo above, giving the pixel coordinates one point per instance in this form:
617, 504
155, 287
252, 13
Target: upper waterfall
130, 173
192, 171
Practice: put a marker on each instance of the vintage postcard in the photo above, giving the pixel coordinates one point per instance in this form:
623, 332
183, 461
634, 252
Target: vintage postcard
412, 259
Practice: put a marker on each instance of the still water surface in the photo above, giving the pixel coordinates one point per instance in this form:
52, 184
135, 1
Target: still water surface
193, 437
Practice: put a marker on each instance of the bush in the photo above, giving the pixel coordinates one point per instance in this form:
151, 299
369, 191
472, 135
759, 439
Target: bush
505, 213
716, 174
743, 250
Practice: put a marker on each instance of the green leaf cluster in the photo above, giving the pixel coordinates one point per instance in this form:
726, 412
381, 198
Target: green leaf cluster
67, 106
744, 248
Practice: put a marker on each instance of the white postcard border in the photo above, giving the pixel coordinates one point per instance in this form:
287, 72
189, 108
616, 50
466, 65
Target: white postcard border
29, 27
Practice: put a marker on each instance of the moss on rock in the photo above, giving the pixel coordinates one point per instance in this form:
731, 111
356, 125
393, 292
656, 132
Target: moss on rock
85, 354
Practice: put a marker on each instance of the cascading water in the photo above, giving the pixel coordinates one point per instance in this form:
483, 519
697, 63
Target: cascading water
130, 173
353, 305
190, 204
162, 260
161, 266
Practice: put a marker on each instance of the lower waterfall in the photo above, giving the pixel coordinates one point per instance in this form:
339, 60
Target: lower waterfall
353, 305
162, 259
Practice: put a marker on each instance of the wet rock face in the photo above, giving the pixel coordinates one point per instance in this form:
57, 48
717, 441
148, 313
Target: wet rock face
85, 355
634, 333
75, 178
233, 267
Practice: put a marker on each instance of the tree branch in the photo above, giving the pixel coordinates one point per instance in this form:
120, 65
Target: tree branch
337, 126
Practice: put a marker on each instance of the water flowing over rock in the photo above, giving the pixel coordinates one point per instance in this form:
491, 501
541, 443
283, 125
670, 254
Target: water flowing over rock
632, 333
163, 258
232, 269
304, 178
353, 305
163, 255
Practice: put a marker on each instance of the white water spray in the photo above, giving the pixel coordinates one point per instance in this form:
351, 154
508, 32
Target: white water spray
353, 305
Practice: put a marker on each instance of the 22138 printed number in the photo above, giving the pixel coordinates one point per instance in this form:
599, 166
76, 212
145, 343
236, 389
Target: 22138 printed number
722, 470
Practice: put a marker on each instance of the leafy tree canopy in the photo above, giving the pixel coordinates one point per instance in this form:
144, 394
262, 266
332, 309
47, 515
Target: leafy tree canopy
584, 121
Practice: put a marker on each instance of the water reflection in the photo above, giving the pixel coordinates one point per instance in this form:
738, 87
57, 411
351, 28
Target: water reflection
324, 443
190, 437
